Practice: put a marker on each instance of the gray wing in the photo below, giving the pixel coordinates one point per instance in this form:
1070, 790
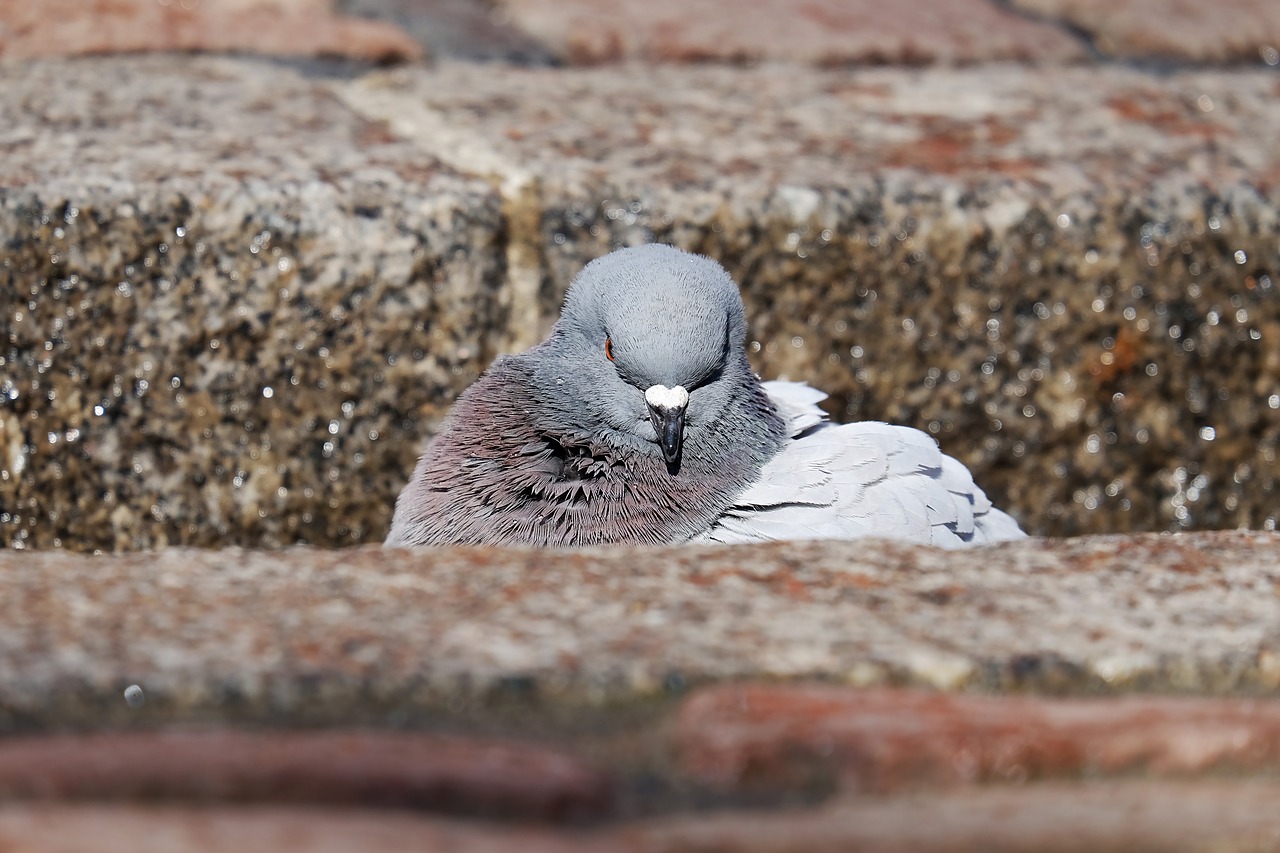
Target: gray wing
864, 479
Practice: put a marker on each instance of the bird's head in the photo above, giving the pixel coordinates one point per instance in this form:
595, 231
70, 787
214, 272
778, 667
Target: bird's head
651, 342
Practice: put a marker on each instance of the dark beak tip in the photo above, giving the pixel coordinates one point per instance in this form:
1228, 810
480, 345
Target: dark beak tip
669, 425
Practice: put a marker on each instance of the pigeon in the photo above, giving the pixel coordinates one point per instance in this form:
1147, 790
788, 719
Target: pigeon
640, 421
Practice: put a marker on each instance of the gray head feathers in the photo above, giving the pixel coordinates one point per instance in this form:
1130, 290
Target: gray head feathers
671, 317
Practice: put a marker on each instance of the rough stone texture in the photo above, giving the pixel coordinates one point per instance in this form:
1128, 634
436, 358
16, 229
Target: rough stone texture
479, 777
740, 743
539, 31
1114, 817
884, 740
228, 316
59, 828
395, 635
1052, 818
1234, 31
1066, 275
460, 29
826, 32
278, 27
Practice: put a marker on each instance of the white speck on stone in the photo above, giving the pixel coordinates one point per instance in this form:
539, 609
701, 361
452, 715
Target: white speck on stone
939, 669
662, 397
1269, 668
1123, 668
800, 202
1005, 212
865, 674
134, 696
798, 659
17, 449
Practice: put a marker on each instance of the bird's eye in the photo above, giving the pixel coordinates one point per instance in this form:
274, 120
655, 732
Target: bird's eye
608, 348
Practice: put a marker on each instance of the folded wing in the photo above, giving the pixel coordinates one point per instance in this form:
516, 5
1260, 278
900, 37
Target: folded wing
863, 479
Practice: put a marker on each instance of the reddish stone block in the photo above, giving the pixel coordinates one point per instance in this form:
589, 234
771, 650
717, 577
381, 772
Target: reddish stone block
278, 27
135, 828
464, 775
825, 32
1109, 815
1228, 31
887, 739
1114, 816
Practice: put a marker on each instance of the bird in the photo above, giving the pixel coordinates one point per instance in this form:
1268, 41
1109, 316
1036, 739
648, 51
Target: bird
639, 420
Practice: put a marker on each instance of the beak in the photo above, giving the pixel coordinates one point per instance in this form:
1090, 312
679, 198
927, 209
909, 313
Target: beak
666, 413
669, 425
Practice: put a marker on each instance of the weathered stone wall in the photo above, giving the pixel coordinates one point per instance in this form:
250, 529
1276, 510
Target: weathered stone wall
815, 696
212, 334
238, 298
239, 294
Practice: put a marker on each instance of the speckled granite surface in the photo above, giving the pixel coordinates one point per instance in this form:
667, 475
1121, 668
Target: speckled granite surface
1236, 31
1067, 276
280, 27
1211, 816
238, 294
820, 31
402, 636
238, 298
638, 689
230, 313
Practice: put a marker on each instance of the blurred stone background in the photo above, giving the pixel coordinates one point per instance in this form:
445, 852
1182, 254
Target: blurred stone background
239, 293
252, 249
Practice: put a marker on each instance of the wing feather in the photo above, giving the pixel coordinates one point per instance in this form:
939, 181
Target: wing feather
797, 402
861, 479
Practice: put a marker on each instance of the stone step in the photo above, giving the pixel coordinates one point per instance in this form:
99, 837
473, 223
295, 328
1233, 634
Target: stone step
240, 296
387, 635
240, 293
824, 32
836, 32
790, 696
1200, 817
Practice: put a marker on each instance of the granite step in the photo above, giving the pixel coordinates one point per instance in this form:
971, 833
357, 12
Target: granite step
240, 296
1211, 816
1116, 691
239, 293
310, 636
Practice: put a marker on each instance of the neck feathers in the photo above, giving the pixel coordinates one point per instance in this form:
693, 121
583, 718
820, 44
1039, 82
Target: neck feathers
511, 483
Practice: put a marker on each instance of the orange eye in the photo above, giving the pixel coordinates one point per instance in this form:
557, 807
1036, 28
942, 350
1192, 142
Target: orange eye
608, 348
